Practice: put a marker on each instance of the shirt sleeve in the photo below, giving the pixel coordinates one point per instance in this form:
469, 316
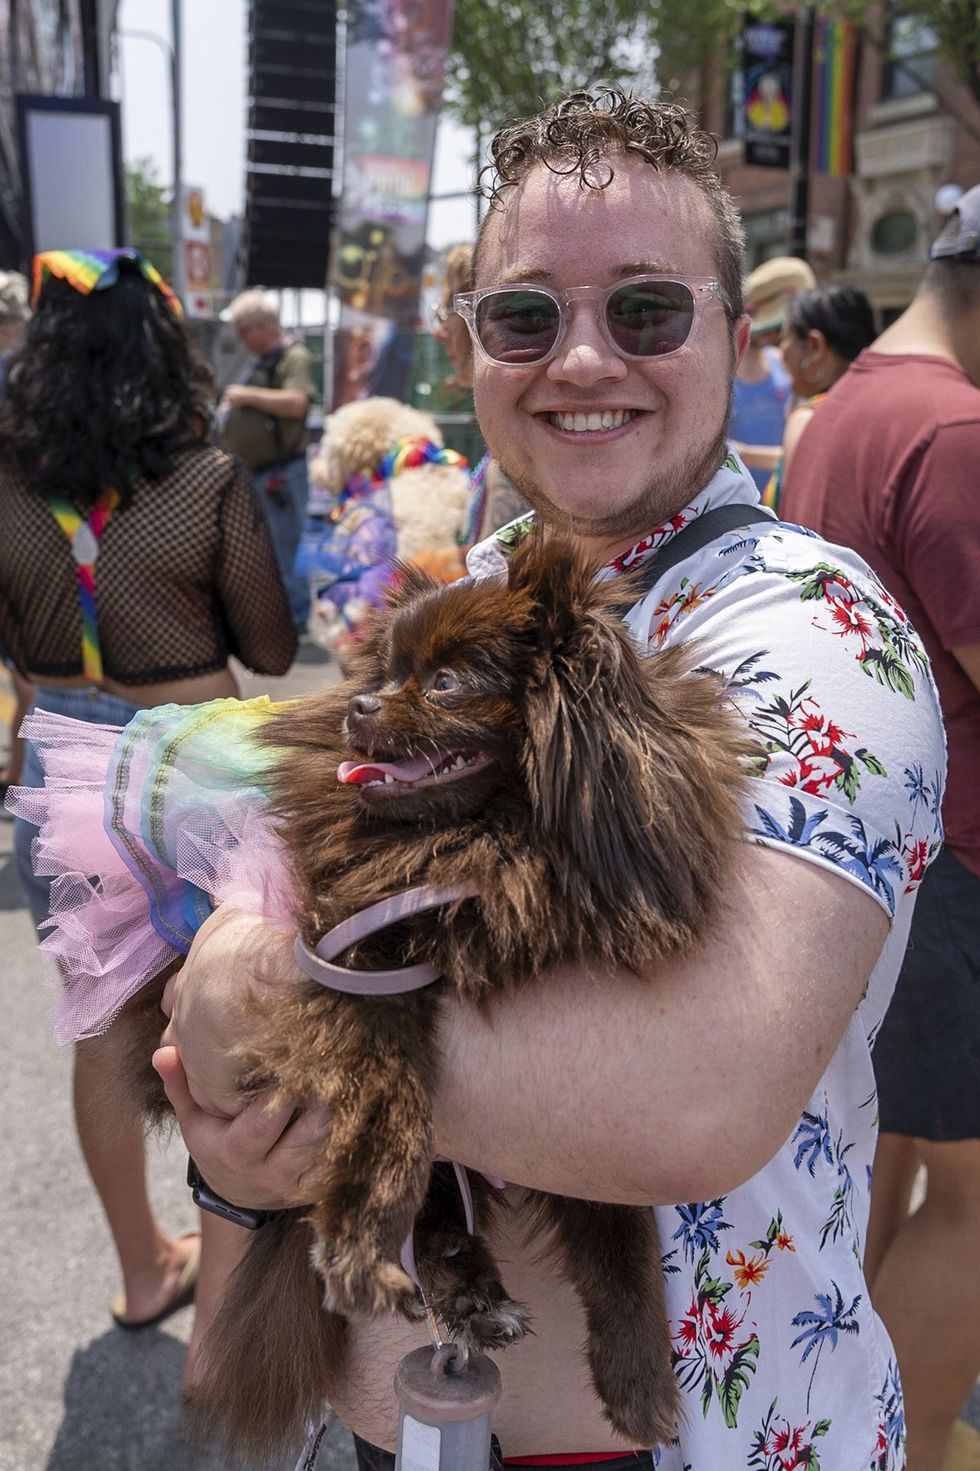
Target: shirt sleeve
936, 516
296, 371
836, 692
254, 605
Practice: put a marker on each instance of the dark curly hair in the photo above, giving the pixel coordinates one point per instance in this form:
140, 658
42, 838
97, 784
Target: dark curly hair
105, 389
842, 313
578, 134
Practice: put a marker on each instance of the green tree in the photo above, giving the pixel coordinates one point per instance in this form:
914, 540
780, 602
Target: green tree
149, 215
510, 57
688, 37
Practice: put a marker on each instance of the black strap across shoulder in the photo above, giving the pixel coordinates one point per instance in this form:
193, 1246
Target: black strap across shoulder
697, 534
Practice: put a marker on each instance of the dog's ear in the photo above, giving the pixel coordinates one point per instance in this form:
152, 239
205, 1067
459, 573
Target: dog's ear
409, 581
626, 757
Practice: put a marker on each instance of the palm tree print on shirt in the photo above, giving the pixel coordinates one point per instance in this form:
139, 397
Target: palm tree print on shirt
824, 1327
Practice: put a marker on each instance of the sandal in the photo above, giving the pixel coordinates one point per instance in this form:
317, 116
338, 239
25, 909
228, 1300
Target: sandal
181, 1297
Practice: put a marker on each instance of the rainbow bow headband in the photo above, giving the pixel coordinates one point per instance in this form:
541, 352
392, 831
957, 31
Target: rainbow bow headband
95, 270
408, 454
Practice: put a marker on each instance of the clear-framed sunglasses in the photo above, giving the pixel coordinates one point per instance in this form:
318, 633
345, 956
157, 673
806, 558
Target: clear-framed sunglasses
640, 317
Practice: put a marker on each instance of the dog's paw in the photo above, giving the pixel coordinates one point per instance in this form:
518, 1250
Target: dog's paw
361, 1286
484, 1319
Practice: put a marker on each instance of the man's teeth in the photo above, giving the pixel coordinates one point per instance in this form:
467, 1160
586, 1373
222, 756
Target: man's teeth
592, 423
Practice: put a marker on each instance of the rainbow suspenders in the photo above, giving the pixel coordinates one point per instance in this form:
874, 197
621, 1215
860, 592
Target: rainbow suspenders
84, 534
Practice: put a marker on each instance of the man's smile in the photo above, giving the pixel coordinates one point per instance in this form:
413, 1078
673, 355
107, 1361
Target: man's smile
578, 422
595, 424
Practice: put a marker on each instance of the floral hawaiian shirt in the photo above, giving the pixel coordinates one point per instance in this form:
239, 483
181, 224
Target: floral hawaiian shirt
781, 1358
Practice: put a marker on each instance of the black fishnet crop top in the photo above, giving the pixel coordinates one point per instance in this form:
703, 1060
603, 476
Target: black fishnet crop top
186, 575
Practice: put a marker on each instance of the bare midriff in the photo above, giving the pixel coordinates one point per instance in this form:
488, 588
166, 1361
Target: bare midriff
219, 684
547, 1405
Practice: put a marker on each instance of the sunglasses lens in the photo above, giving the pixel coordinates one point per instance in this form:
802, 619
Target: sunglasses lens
648, 319
517, 326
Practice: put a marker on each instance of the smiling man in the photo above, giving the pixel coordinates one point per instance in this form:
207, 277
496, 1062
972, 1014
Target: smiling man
733, 1091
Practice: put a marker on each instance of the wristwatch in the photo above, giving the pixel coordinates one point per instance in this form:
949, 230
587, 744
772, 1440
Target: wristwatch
239, 1215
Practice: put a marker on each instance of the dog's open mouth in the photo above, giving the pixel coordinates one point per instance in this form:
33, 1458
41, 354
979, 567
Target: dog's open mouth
413, 773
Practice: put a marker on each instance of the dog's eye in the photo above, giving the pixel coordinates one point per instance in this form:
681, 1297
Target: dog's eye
444, 680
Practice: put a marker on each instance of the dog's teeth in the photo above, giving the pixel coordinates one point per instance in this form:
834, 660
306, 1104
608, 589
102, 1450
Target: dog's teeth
389, 779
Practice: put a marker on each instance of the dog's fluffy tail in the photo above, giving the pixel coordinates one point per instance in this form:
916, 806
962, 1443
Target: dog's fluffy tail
268, 1355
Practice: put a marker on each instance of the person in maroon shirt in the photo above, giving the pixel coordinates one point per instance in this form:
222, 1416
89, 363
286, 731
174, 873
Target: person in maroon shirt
888, 466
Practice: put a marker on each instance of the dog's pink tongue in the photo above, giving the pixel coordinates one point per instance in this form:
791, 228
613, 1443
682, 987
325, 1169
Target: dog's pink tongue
359, 772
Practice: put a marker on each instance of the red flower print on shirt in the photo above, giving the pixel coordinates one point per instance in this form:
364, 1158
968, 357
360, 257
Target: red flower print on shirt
809, 750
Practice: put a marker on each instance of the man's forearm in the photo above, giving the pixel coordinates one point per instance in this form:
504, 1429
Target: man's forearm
677, 1087
281, 403
671, 1088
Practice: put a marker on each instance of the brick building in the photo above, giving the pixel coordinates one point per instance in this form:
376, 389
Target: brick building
872, 228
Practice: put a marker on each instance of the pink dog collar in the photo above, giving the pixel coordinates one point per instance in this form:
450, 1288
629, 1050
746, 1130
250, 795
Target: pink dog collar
317, 963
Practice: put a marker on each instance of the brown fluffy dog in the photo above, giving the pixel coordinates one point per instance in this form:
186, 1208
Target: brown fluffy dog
587, 795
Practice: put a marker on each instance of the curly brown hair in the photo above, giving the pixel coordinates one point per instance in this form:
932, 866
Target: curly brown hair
580, 133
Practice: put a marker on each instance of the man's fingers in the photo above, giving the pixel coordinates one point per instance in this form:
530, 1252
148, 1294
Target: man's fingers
259, 1158
167, 1064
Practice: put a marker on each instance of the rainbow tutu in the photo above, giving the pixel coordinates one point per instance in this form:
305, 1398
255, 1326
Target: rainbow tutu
143, 830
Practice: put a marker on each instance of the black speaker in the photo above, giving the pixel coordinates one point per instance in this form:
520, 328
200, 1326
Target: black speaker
290, 142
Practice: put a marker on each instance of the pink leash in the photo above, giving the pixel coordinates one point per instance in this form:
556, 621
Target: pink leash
318, 965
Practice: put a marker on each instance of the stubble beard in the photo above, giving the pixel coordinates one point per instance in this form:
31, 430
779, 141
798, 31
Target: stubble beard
665, 493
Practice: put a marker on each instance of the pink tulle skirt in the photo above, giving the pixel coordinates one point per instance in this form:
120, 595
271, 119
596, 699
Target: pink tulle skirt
143, 830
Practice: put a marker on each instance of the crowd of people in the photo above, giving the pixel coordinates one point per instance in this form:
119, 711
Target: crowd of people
627, 381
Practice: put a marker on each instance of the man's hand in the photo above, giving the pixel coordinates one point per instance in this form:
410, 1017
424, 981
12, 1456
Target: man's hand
236, 396
259, 1159
241, 1147
208, 1002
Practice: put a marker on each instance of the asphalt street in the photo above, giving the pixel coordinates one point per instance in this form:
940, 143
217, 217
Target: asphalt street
77, 1393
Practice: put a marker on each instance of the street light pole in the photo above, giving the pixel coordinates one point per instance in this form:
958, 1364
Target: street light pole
800, 163
172, 53
179, 282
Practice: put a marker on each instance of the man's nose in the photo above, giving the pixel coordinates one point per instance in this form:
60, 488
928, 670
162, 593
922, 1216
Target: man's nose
362, 707
585, 356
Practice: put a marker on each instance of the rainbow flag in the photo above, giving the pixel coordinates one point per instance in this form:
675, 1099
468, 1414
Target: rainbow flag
834, 78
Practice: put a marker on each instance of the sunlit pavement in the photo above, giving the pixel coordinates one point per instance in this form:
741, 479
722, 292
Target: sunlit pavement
77, 1393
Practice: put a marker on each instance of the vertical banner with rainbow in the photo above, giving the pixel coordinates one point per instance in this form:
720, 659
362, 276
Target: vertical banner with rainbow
395, 59
834, 80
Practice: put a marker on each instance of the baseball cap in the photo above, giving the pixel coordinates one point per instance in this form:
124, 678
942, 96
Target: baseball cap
960, 236
770, 288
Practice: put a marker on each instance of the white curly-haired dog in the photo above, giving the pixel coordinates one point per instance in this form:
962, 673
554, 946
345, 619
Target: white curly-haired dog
428, 502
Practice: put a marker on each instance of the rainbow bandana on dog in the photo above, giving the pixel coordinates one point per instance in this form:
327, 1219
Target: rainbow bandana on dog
95, 270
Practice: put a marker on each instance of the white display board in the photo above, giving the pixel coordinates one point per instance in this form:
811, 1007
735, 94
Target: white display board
71, 173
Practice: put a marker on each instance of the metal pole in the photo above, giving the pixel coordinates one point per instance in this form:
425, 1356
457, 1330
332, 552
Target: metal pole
800, 163
179, 281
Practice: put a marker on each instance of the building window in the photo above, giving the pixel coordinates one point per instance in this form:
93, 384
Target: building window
894, 233
766, 234
910, 52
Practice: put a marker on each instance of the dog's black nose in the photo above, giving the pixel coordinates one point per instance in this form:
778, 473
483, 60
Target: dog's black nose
364, 705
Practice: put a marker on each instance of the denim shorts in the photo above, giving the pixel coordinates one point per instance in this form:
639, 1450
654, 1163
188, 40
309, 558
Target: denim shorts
96, 707
370, 1458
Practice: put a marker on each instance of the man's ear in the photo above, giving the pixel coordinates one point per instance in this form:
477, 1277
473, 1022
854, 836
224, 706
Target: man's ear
741, 334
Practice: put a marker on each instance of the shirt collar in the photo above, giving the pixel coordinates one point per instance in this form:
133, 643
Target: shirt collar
731, 484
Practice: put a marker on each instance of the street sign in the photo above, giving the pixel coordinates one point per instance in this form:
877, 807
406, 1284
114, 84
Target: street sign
196, 239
